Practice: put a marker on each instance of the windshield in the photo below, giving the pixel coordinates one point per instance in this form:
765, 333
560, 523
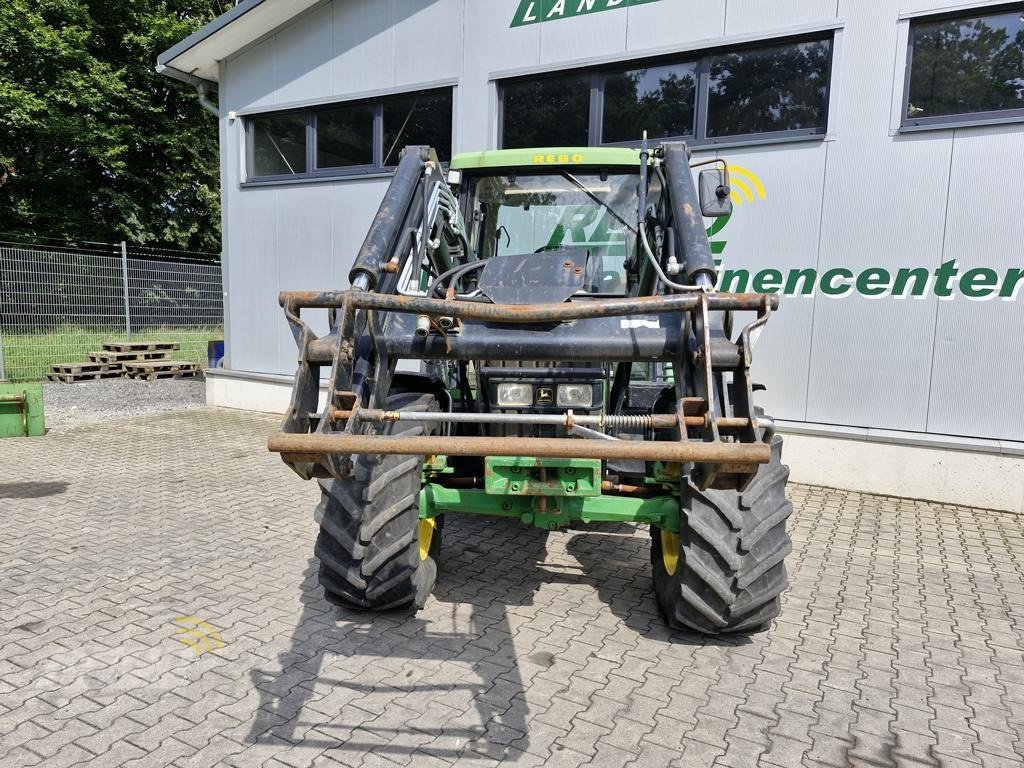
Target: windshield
535, 213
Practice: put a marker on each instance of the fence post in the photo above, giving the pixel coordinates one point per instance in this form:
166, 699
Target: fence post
2, 375
124, 283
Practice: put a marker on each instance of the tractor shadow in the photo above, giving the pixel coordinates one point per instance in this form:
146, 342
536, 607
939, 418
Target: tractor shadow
32, 490
490, 570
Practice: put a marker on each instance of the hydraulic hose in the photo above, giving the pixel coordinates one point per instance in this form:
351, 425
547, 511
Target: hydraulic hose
703, 285
454, 275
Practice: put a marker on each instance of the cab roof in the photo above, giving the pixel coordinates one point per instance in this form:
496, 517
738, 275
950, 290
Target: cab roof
547, 156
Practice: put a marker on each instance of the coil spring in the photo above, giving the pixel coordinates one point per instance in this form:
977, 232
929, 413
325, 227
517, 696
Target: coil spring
627, 421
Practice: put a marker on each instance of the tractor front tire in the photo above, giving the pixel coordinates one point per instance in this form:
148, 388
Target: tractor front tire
375, 553
725, 572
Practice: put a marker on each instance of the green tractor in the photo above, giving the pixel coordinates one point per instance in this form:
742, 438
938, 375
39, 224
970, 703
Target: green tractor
536, 334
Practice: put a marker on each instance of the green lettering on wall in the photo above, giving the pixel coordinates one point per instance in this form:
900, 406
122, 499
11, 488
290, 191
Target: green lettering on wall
734, 281
804, 278
873, 282
980, 283
921, 277
537, 11
767, 281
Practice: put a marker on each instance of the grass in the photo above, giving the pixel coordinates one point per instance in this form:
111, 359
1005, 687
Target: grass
28, 356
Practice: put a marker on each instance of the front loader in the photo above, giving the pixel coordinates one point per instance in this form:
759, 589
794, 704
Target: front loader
535, 334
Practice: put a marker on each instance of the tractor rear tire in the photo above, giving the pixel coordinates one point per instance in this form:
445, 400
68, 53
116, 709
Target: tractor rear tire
375, 553
725, 571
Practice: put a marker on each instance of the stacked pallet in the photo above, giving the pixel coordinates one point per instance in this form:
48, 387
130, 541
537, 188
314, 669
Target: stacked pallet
145, 360
70, 373
150, 370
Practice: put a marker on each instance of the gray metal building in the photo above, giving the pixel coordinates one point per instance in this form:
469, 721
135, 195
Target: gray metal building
872, 143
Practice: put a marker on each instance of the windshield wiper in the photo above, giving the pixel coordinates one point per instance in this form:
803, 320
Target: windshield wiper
597, 200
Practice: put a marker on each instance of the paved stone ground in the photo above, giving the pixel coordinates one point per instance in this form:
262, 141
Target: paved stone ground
901, 641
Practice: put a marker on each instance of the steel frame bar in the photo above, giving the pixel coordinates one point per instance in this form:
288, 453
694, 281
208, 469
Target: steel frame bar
648, 421
526, 313
314, 445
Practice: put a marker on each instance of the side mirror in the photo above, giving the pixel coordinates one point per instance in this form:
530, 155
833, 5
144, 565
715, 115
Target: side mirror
715, 201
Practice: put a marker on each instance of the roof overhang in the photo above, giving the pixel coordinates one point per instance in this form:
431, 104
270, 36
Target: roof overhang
196, 59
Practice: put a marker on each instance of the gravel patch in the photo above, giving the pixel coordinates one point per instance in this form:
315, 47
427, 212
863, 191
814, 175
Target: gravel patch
115, 398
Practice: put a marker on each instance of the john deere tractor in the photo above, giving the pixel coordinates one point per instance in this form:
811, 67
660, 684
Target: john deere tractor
536, 335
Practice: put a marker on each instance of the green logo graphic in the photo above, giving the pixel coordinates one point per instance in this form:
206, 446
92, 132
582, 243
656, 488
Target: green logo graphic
948, 281
537, 11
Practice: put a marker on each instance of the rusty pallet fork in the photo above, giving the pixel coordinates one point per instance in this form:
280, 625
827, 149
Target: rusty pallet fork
711, 441
335, 431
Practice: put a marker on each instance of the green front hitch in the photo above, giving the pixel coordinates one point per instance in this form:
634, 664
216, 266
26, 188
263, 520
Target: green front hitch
551, 512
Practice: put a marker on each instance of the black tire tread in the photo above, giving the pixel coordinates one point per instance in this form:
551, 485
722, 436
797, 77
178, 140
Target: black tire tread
368, 544
732, 549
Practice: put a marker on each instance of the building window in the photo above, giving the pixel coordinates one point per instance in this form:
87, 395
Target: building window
659, 98
347, 139
344, 136
782, 88
422, 119
747, 94
547, 112
965, 67
279, 144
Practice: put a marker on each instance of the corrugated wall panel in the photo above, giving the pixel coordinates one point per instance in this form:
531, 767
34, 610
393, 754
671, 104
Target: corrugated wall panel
305, 248
745, 16
355, 204
884, 206
595, 34
870, 357
977, 368
426, 36
250, 77
253, 288
304, 57
364, 46
778, 232
673, 22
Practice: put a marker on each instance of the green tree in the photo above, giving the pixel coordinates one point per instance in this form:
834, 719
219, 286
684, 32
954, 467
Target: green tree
94, 144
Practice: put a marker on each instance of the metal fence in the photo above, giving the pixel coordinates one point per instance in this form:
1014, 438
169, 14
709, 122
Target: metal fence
59, 302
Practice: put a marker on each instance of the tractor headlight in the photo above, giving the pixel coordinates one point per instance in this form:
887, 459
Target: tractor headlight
575, 395
512, 394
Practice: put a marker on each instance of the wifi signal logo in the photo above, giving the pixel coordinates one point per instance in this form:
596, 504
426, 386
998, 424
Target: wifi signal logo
746, 187
198, 635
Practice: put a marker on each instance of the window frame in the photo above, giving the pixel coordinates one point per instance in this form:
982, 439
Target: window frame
959, 119
313, 171
250, 145
701, 58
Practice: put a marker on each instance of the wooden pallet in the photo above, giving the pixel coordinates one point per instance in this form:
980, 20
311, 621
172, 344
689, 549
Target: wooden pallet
129, 357
74, 378
84, 367
161, 369
141, 346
